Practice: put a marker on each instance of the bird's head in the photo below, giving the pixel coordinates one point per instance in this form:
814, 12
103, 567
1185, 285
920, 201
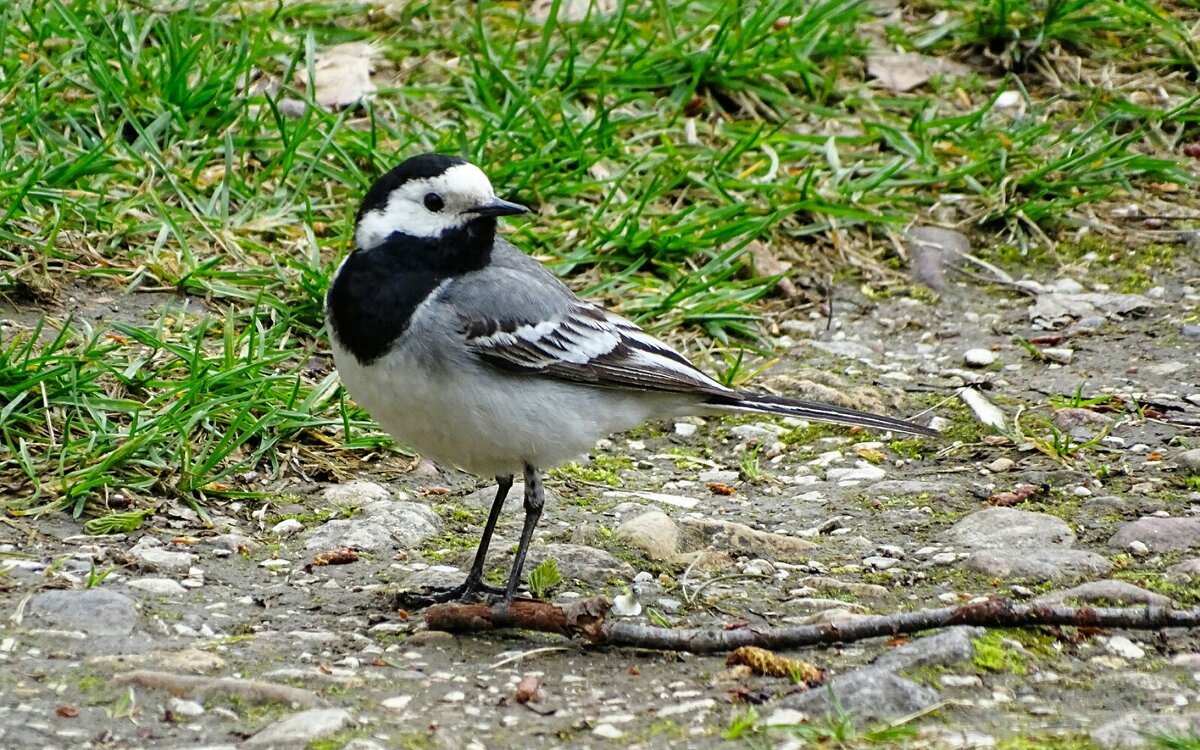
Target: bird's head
430, 196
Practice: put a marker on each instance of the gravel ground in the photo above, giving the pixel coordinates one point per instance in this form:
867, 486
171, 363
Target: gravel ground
231, 636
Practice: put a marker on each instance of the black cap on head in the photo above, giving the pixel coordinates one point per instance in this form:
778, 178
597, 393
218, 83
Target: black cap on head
418, 167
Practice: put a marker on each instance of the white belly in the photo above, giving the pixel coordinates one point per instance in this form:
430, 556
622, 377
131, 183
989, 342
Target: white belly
494, 427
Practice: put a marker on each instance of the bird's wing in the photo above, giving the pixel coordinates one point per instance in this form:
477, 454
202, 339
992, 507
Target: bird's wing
521, 318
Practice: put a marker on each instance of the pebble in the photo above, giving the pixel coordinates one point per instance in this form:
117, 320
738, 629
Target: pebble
880, 563
286, 528
301, 728
381, 527
181, 707
862, 472
1010, 528
979, 357
157, 586
96, 612
1049, 564
1000, 465
355, 493
685, 429
156, 558
1058, 355
454, 696
1159, 534
608, 732
1119, 645
397, 703
1190, 460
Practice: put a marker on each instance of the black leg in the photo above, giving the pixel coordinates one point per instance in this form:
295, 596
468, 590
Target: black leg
534, 500
474, 582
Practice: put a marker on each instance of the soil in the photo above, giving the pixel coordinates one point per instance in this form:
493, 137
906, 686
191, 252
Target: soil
253, 606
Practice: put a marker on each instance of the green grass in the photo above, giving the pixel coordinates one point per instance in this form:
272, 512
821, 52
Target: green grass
139, 154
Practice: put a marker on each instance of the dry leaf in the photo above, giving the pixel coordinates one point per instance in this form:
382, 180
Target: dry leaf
769, 664
527, 689
336, 557
904, 71
343, 74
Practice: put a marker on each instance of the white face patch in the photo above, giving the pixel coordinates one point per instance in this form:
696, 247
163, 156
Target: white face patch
461, 188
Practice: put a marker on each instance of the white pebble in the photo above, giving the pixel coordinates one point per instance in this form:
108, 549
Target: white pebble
979, 357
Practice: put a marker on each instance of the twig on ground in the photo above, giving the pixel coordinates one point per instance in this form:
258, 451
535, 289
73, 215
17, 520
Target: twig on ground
586, 619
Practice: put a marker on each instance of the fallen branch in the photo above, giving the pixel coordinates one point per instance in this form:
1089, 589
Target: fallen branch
586, 619
251, 691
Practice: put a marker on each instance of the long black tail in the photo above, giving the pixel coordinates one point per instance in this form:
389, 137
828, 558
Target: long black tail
792, 407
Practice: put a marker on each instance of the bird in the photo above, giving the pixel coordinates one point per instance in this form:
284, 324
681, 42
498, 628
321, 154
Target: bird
469, 351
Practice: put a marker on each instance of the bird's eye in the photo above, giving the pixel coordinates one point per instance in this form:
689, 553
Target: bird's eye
434, 202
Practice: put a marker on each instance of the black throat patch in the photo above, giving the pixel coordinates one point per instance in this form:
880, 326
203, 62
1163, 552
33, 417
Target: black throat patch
373, 297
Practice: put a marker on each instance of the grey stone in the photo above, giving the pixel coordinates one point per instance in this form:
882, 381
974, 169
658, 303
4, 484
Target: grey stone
287, 527
869, 694
904, 487
739, 539
863, 472
436, 577
157, 558
1131, 729
1049, 564
1009, 528
1120, 592
94, 611
1053, 310
1186, 569
979, 357
1159, 534
157, 586
301, 728
234, 542
381, 526
1190, 460
653, 533
355, 493
945, 649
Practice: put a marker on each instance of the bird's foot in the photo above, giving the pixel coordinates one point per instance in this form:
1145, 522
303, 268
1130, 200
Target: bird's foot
465, 593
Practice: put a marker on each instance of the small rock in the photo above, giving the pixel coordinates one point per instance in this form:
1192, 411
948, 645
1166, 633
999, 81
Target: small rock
653, 533
157, 558
1138, 548
1059, 355
1000, 465
862, 472
1119, 645
397, 703
301, 728
286, 528
739, 539
1159, 534
944, 558
608, 732
157, 586
685, 429
1130, 730
979, 357
185, 708
1190, 460
381, 527
965, 680
454, 696
1050, 564
96, 612
355, 493
786, 717
1187, 569
870, 694
1120, 592
1010, 528
880, 563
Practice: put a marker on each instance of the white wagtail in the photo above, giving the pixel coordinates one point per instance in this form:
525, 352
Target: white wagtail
469, 351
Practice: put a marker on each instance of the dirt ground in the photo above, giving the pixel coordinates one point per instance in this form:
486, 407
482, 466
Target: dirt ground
241, 599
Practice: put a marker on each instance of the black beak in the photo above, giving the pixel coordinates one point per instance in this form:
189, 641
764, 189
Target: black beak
497, 207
